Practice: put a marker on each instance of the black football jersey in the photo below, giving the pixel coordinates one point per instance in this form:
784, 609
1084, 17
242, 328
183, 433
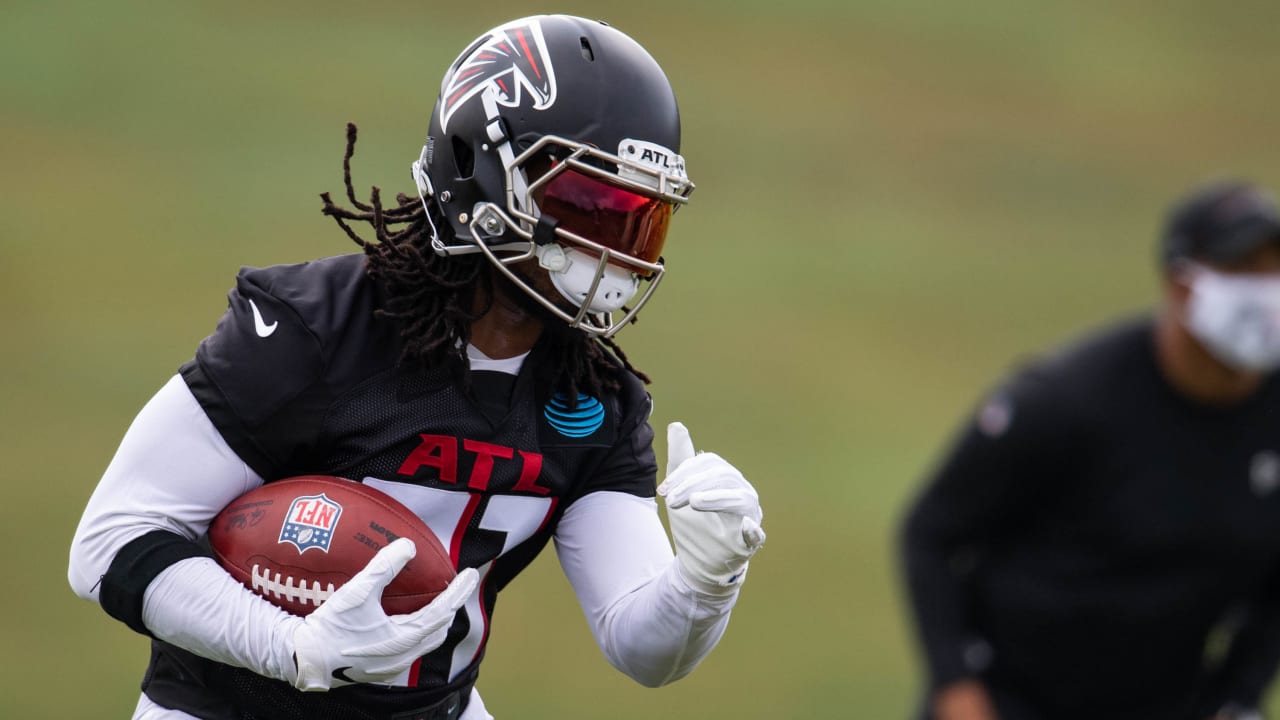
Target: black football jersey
302, 376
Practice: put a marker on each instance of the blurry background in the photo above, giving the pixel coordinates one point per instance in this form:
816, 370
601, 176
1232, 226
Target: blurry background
896, 201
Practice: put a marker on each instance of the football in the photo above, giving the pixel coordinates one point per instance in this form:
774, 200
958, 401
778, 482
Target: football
295, 541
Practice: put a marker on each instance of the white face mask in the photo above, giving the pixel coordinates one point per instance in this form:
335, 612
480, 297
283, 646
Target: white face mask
1237, 317
573, 271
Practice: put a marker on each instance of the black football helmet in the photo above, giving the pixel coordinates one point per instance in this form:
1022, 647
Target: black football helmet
557, 139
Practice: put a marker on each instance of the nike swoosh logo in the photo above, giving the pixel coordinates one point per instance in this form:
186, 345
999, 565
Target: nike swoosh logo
260, 325
341, 674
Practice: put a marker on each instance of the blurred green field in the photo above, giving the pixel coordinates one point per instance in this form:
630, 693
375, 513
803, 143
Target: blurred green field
896, 200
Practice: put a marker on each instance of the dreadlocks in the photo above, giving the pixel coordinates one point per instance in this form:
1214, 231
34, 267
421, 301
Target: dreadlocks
431, 297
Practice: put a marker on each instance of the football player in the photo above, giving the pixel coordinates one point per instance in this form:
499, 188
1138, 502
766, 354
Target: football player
463, 363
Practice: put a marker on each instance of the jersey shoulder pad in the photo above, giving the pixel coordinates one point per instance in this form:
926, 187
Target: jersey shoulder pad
271, 362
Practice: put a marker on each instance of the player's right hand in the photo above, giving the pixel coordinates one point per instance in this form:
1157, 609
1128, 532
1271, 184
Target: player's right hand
350, 639
963, 700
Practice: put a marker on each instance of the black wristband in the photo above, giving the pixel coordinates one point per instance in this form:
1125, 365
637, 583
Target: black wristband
134, 567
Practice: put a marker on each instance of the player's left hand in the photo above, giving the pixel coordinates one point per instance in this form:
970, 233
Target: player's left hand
714, 513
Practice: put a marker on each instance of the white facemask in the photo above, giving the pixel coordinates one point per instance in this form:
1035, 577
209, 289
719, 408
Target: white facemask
573, 271
1237, 317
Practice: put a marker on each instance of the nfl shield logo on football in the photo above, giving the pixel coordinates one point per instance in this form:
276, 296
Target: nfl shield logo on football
311, 522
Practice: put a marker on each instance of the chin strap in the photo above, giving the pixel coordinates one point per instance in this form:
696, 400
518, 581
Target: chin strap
544, 233
418, 168
497, 133
501, 142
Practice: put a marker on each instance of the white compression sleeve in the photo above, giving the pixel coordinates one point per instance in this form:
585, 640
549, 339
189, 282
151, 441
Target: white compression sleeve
648, 621
172, 471
196, 605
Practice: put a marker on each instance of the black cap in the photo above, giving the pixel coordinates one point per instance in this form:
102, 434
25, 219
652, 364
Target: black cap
1219, 223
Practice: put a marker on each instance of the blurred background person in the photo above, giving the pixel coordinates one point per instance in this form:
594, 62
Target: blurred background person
1103, 538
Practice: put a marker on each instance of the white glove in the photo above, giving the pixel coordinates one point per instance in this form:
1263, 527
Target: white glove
714, 513
350, 639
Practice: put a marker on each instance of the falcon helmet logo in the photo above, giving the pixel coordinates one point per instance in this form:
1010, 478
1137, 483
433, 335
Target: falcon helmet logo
512, 60
310, 522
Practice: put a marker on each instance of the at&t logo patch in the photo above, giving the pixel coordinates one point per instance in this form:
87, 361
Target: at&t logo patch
578, 422
311, 522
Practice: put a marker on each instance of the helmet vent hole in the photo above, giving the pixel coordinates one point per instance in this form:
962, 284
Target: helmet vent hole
463, 158
586, 50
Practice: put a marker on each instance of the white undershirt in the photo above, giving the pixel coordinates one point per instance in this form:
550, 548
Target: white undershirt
173, 471
480, 361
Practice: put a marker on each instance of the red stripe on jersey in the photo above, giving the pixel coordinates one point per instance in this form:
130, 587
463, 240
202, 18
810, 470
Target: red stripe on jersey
464, 522
550, 511
484, 617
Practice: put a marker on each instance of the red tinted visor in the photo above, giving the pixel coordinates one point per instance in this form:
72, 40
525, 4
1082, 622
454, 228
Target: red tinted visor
620, 219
